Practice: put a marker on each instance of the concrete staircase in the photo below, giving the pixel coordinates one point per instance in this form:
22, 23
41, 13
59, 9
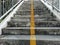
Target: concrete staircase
17, 31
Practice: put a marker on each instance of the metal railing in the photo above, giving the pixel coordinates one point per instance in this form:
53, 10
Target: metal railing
11, 9
54, 3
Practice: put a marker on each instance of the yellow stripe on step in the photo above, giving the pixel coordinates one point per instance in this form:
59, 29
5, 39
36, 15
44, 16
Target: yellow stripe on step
32, 26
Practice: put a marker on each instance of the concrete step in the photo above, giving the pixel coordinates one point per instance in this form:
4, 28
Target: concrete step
36, 16
32, 28
15, 31
25, 40
18, 24
22, 15
47, 24
26, 30
21, 39
20, 20
9, 41
48, 32
23, 12
25, 6
38, 20
29, 13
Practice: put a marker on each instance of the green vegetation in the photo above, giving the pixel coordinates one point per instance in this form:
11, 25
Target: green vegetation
0, 21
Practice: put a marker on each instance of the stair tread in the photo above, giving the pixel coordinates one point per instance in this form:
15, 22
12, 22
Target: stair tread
32, 28
27, 37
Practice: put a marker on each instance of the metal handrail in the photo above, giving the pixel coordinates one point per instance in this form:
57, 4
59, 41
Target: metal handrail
54, 7
5, 14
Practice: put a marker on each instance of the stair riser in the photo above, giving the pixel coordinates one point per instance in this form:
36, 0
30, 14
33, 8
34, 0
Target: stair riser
14, 42
15, 32
48, 43
48, 32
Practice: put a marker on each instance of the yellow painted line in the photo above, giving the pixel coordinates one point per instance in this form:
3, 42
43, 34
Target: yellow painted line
32, 40
32, 23
32, 26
